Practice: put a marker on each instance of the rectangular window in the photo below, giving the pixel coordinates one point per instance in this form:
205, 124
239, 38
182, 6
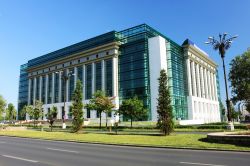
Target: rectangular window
71, 84
43, 88
88, 83
63, 86
79, 73
56, 88
98, 76
49, 89
37, 88
31, 90
109, 77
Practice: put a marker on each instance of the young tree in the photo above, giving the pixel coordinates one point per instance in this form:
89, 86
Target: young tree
27, 110
37, 110
51, 116
107, 105
132, 108
11, 112
77, 108
101, 103
239, 76
164, 108
2, 105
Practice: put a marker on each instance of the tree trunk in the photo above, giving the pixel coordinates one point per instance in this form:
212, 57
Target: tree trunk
100, 125
106, 120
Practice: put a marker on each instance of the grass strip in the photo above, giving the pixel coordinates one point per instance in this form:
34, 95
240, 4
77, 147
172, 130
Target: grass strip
195, 141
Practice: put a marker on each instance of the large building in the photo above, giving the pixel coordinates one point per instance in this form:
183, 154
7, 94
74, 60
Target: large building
125, 64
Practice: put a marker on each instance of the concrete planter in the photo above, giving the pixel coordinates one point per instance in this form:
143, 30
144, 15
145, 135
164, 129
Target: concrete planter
238, 138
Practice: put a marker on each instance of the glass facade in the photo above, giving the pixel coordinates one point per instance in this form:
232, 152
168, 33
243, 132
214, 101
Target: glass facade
98, 76
108, 77
31, 91
43, 88
49, 92
71, 84
88, 78
23, 89
37, 87
56, 87
177, 80
80, 73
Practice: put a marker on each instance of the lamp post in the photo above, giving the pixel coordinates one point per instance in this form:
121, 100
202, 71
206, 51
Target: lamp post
64, 77
222, 45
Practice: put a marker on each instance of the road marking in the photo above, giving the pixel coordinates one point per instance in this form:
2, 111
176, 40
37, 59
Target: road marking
19, 158
62, 150
200, 164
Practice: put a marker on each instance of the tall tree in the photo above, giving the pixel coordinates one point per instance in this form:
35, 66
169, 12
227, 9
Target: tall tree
77, 108
240, 78
11, 112
132, 108
51, 116
2, 105
164, 108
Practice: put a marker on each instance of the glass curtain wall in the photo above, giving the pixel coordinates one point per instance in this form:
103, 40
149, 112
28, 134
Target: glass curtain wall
49, 97
23, 89
80, 73
43, 88
37, 87
71, 84
88, 78
98, 76
108, 77
56, 88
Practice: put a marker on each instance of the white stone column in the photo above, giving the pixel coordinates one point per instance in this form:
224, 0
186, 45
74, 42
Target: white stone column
60, 88
209, 84
212, 86
93, 78
53, 88
40, 87
67, 87
205, 81
46, 88
103, 75
215, 85
75, 76
29, 91
194, 79
84, 81
115, 76
198, 80
202, 82
189, 77
34, 91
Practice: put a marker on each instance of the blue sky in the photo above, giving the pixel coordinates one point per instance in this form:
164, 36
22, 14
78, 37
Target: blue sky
30, 28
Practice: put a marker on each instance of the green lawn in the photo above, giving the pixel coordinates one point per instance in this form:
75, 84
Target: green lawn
175, 140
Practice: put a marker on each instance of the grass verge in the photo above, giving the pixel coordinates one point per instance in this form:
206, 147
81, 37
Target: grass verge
176, 140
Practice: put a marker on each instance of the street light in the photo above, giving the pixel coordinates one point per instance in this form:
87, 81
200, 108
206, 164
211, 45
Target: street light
222, 45
64, 77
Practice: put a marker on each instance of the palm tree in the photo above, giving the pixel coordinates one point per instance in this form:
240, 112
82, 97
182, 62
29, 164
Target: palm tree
223, 45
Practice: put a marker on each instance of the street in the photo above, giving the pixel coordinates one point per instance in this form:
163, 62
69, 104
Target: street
31, 152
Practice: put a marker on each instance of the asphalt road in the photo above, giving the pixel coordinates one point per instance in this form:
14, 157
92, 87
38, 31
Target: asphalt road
31, 152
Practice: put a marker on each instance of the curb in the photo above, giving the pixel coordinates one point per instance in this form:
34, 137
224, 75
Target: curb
131, 145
